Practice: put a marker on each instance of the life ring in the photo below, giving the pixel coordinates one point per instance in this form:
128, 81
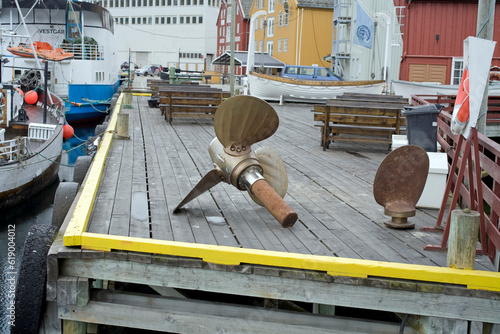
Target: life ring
494, 76
461, 111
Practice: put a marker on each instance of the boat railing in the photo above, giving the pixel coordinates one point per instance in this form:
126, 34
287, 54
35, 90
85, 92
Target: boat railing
13, 150
489, 156
84, 51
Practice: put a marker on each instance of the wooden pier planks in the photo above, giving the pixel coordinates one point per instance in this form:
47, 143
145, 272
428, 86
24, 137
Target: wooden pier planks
331, 191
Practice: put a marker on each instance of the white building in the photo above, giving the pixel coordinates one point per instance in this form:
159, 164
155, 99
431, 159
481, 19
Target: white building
180, 33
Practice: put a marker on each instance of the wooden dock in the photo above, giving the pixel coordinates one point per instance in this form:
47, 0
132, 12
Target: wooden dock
121, 232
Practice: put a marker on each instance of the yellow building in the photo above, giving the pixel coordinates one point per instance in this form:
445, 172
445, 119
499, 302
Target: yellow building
297, 32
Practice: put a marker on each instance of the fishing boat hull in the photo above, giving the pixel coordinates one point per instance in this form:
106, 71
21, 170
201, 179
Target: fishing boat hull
21, 180
407, 89
30, 149
274, 88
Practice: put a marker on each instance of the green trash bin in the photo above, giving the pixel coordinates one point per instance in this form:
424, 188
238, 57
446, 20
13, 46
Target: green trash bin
421, 125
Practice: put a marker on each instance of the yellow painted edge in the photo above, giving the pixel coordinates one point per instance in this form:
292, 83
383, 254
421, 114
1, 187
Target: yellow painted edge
79, 220
473, 279
141, 94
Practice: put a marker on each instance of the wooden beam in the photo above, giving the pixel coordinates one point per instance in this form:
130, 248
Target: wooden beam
196, 316
411, 297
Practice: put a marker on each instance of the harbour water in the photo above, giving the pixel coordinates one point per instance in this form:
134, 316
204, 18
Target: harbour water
15, 223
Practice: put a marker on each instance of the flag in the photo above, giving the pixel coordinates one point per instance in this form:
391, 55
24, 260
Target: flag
363, 33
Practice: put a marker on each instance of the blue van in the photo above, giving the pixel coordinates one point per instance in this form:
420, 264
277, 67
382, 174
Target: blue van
309, 73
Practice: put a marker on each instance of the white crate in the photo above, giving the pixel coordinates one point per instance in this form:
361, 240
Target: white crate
433, 193
39, 131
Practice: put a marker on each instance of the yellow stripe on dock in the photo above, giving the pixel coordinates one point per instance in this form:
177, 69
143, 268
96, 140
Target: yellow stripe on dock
81, 215
76, 235
335, 266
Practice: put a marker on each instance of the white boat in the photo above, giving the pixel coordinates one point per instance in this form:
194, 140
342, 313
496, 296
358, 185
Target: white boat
31, 139
276, 88
88, 81
406, 88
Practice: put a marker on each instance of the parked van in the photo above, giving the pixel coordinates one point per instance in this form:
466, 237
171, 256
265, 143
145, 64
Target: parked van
309, 73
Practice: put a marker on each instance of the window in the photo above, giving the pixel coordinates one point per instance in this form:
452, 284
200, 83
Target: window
157, 20
270, 48
458, 69
270, 27
188, 20
126, 20
280, 20
285, 45
270, 5
261, 23
238, 28
285, 20
261, 46
193, 19
133, 20
279, 45
200, 19
181, 20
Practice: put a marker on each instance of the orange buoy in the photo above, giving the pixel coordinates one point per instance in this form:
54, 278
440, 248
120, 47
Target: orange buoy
31, 97
68, 131
461, 110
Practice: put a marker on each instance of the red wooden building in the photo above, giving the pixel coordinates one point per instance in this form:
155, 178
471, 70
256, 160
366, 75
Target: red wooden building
224, 23
433, 34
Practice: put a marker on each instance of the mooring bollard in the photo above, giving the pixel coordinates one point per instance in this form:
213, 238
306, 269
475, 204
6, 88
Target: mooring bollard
122, 126
127, 101
463, 237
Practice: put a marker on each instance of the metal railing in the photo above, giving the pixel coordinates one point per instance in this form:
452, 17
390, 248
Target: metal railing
84, 51
13, 150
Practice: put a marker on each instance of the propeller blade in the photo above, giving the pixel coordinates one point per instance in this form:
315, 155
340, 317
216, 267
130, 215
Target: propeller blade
211, 179
274, 171
243, 120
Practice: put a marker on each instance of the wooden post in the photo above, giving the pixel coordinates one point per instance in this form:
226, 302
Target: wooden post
464, 229
122, 126
127, 101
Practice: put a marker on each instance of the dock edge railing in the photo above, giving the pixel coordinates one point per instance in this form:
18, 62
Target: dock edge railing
76, 235
489, 156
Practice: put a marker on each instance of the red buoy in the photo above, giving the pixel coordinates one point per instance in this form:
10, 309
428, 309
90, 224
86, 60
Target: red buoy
68, 131
31, 97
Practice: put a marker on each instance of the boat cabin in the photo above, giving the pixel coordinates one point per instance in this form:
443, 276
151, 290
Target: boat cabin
309, 73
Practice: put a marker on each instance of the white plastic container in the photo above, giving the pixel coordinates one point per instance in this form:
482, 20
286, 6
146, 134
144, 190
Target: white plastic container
398, 141
433, 193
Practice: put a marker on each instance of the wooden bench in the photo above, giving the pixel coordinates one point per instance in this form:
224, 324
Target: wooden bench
194, 103
360, 118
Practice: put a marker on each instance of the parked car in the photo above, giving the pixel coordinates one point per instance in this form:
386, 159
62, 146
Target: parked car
309, 73
124, 66
148, 70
